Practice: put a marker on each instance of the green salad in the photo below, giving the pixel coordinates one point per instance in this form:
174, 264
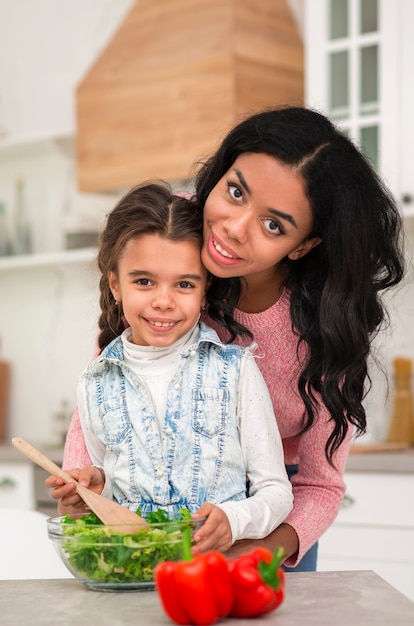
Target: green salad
100, 554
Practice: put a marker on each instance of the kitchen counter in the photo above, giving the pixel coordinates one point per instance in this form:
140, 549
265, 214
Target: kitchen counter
10, 454
315, 599
394, 462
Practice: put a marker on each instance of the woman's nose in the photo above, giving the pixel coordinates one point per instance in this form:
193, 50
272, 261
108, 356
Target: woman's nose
237, 227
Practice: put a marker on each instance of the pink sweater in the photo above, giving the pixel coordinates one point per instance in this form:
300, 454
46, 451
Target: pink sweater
318, 488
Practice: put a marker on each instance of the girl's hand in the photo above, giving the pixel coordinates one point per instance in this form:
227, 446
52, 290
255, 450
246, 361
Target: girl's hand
215, 534
68, 500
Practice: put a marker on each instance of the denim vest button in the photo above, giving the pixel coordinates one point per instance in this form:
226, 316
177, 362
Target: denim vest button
169, 431
159, 473
193, 352
177, 386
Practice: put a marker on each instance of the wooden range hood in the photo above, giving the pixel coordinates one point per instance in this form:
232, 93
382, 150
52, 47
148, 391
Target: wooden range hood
176, 75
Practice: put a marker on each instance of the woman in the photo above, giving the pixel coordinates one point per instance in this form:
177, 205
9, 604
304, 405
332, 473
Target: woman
302, 237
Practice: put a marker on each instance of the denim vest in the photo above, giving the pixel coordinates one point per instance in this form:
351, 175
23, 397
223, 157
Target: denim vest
198, 457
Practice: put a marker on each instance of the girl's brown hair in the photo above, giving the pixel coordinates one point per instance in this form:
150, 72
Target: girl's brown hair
149, 208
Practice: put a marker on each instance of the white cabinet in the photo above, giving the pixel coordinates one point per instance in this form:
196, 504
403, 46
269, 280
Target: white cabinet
359, 70
374, 529
17, 485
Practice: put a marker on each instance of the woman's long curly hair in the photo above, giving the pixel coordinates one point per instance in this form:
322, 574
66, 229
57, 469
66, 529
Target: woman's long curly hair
335, 289
149, 208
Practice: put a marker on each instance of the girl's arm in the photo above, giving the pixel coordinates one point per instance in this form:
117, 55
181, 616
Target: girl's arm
271, 497
318, 490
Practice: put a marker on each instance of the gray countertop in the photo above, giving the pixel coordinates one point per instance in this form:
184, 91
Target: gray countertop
393, 462
313, 599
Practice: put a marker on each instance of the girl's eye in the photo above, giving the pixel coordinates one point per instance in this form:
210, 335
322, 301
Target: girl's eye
235, 191
184, 284
273, 227
143, 282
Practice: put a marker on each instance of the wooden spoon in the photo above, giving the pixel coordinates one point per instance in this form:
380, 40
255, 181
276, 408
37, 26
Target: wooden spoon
109, 512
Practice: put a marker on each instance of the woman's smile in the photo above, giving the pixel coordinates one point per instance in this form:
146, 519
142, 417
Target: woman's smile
219, 249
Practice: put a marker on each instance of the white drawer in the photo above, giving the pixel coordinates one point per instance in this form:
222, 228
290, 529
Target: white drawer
378, 499
387, 551
16, 485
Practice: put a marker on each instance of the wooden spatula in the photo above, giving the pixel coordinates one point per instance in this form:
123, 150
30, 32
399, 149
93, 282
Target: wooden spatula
109, 512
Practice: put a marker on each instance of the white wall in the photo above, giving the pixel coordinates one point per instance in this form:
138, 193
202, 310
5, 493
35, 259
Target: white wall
48, 316
396, 340
48, 325
46, 47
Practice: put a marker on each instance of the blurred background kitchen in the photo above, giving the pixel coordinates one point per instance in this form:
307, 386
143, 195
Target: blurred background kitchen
97, 95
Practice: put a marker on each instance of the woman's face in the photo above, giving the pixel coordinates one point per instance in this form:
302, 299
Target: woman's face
255, 216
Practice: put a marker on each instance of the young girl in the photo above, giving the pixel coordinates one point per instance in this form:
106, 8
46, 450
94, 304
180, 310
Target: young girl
174, 417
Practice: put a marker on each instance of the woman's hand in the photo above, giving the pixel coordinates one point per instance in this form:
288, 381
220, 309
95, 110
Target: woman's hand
68, 500
284, 536
215, 533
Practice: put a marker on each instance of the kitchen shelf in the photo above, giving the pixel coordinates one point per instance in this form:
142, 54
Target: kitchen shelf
48, 259
408, 213
64, 139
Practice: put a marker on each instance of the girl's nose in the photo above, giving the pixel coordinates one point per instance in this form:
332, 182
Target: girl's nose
162, 300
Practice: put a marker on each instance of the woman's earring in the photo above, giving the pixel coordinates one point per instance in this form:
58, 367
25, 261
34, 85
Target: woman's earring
203, 307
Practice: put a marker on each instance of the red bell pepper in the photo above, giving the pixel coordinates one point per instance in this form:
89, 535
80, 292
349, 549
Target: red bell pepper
258, 582
196, 590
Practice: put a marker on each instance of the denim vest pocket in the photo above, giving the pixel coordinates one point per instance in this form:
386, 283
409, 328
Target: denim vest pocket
210, 410
115, 422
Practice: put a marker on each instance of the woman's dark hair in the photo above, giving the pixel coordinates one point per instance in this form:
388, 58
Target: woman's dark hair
335, 302
149, 208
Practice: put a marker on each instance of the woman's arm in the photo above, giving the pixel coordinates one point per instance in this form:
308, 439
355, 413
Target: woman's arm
78, 462
284, 536
75, 453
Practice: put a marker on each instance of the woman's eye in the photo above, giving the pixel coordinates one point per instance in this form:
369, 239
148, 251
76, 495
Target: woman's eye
184, 284
273, 227
235, 191
143, 282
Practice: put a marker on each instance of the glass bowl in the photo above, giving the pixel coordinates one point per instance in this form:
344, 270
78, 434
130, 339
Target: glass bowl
105, 558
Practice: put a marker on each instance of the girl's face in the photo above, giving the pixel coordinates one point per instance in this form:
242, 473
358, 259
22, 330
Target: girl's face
161, 284
256, 215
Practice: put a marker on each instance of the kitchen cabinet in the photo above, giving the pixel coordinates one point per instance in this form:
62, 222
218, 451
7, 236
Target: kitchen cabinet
374, 529
359, 70
22, 482
17, 485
